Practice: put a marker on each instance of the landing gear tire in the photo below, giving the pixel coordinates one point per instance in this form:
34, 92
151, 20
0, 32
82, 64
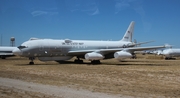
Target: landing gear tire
60, 62
95, 62
170, 58
166, 58
3, 57
78, 61
31, 63
134, 56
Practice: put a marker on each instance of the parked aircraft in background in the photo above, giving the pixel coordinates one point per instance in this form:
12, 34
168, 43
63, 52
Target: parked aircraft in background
169, 53
94, 51
6, 51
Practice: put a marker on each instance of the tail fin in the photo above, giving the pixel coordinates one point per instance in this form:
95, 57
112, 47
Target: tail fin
129, 32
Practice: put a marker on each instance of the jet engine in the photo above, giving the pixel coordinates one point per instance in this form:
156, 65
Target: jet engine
122, 55
93, 56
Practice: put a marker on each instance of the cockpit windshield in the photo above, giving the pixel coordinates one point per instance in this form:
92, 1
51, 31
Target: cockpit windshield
21, 47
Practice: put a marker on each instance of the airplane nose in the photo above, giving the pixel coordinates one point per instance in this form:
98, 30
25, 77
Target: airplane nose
17, 52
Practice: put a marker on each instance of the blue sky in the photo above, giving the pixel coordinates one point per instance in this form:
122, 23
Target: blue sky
157, 20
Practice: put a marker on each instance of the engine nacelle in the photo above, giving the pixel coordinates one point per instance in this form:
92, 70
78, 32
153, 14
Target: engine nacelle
93, 56
122, 55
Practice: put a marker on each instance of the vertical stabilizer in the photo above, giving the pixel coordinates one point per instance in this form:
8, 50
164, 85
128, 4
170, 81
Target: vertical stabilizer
128, 35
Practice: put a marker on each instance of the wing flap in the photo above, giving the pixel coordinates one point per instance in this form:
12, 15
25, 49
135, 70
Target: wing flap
143, 48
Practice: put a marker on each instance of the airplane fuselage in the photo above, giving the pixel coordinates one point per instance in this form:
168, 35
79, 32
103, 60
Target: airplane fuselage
54, 48
171, 53
6, 51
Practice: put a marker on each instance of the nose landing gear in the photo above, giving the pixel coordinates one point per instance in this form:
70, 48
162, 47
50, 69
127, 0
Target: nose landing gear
31, 62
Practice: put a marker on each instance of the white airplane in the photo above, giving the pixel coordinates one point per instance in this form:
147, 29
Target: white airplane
94, 51
169, 53
6, 51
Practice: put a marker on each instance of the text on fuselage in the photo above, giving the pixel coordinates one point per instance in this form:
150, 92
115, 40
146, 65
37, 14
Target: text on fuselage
72, 43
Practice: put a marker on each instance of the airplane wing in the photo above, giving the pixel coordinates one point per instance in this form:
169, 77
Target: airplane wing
6, 54
143, 48
143, 43
138, 44
82, 52
106, 51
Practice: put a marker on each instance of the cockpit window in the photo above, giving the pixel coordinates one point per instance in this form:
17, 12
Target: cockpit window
21, 47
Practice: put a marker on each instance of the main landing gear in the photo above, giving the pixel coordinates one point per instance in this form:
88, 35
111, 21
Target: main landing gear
78, 61
95, 62
31, 62
134, 56
3, 57
170, 58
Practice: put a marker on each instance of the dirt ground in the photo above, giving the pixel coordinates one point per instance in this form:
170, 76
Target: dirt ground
147, 76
